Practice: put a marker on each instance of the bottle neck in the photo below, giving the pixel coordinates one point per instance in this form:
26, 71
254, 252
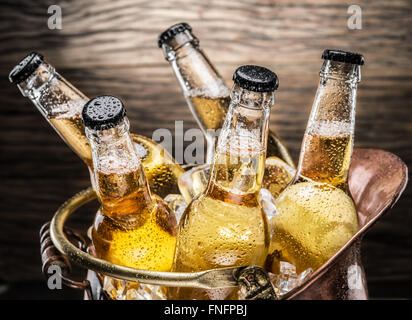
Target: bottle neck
53, 95
204, 89
238, 166
121, 183
328, 142
61, 104
196, 75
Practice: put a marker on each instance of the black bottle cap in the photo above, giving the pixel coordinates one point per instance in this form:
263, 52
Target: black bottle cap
343, 56
103, 112
255, 78
25, 67
171, 32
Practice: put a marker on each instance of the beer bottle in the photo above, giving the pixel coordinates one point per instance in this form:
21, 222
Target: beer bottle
316, 214
204, 89
133, 227
226, 225
61, 104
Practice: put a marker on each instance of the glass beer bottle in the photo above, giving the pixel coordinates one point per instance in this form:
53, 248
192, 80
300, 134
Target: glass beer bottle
204, 89
226, 225
133, 227
316, 214
61, 104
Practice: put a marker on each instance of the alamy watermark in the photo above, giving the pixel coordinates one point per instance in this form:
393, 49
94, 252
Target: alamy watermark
54, 281
55, 20
194, 152
355, 18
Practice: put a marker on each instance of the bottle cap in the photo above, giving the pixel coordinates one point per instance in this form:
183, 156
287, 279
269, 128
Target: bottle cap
255, 78
103, 112
171, 32
343, 56
25, 67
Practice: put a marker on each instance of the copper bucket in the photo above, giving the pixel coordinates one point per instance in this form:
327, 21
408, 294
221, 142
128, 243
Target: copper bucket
376, 180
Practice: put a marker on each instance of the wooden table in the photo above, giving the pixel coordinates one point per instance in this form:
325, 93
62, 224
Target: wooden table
109, 47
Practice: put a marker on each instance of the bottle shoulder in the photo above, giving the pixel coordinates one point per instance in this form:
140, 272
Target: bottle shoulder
205, 211
134, 214
318, 201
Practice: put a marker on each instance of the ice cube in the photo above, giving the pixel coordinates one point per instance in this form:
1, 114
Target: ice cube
288, 279
145, 292
285, 284
305, 275
126, 290
287, 269
116, 289
267, 201
193, 182
176, 203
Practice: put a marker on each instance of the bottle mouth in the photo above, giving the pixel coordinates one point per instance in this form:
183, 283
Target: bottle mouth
172, 31
170, 50
343, 56
175, 38
25, 67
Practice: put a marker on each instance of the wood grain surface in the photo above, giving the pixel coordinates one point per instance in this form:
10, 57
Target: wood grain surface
109, 47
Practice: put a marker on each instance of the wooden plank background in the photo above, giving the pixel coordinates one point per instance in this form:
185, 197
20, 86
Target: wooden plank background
109, 47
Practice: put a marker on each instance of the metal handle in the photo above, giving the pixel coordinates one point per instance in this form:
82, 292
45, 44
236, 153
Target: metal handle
51, 256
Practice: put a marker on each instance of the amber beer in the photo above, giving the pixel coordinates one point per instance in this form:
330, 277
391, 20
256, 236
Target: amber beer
225, 225
209, 110
61, 104
137, 225
205, 91
328, 150
71, 129
316, 214
133, 227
